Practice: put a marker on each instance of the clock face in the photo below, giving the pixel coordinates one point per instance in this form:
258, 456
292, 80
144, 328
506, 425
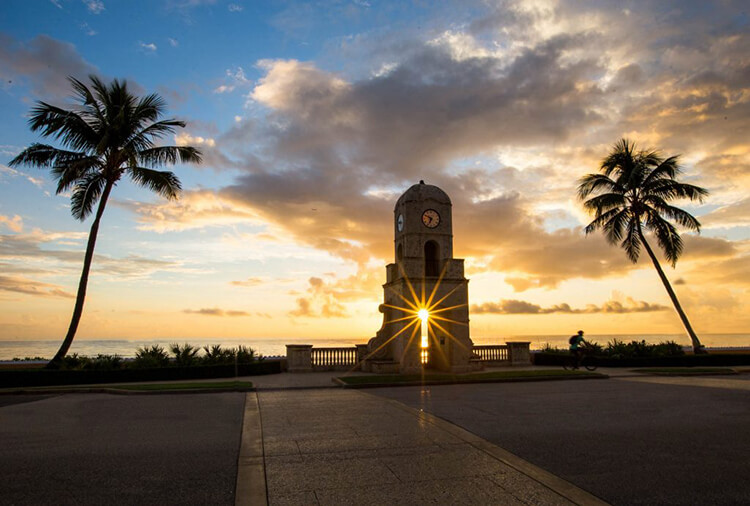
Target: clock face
400, 222
430, 218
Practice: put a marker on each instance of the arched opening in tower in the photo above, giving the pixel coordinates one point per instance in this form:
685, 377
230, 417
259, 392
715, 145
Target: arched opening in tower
431, 259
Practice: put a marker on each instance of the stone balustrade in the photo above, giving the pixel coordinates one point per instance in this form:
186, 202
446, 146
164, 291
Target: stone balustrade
306, 358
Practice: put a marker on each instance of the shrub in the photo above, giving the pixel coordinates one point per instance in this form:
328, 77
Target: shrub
149, 358
103, 363
593, 348
185, 355
246, 355
74, 361
216, 355
668, 349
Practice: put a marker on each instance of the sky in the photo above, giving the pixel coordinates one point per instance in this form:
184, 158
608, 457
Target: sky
313, 117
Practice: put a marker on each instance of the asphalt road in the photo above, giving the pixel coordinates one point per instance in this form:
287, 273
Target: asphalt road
117, 449
629, 443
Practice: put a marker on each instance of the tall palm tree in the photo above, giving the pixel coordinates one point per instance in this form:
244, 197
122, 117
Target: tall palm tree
109, 133
632, 194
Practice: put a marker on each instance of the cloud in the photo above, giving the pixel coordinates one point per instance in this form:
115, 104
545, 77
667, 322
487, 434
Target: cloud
44, 63
235, 78
27, 249
215, 312
15, 224
56, 3
185, 139
27, 286
173, 42
88, 30
94, 6
234, 8
511, 306
250, 282
735, 214
194, 209
322, 302
148, 47
504, 113
9, 172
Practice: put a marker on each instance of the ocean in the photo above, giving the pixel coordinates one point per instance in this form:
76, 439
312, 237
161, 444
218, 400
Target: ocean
270, 347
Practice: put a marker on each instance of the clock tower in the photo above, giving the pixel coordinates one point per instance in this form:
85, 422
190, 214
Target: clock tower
425, 309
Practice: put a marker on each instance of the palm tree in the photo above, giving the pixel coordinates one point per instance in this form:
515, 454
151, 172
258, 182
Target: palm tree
632, 193
109, 133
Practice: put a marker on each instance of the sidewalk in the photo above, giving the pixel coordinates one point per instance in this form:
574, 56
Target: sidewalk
334, 446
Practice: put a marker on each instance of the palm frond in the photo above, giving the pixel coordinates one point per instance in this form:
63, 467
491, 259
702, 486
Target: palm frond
605, 202
667, 237
85, 194
632, 241
163, 155
667, 168
66, 126
596, 183
164, 183
616, 224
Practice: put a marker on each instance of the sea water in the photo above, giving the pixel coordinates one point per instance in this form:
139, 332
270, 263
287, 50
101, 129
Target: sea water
275, 346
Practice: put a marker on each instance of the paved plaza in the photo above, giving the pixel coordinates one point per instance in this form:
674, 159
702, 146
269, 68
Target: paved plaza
625, 441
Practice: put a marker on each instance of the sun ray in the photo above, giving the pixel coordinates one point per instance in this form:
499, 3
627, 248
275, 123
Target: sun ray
453, 290
408, 284
449, 320
413, 306
408, 343
428, 303
394, 336
451, 336
443, 309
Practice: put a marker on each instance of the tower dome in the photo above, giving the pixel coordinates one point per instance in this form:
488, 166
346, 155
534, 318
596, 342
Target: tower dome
423, 192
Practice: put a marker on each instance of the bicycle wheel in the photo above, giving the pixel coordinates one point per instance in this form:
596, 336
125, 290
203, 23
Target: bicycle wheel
589, 363
569, 363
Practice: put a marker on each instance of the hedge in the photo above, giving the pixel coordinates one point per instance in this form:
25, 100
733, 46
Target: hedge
10, 378
708, 360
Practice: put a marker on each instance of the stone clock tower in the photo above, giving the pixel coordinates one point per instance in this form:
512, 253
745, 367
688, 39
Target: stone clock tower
425, 276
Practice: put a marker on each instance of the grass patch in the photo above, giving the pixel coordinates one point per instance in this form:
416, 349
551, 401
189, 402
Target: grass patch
442, 378
205, 385
146, 387
686, 371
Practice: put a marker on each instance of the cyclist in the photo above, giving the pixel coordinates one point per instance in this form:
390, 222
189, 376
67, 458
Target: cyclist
576, 341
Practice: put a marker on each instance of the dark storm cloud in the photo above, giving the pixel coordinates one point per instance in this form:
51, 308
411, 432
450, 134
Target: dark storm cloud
44, 63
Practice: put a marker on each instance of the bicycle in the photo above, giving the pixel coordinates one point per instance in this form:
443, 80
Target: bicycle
587, 360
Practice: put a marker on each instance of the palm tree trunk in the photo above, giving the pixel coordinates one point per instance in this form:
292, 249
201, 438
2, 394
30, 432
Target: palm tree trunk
81, 296
697, 346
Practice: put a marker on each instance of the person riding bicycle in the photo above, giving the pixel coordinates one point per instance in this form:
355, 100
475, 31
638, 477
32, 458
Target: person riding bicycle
576, 343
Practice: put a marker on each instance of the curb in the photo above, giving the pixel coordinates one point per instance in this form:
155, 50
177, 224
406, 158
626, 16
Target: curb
343, 384
118, 391
250, 488
553, 482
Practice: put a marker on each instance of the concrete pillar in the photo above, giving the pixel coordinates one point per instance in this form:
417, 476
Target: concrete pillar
518, 352
299, 357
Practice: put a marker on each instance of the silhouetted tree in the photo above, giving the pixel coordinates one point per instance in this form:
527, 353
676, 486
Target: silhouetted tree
632, 194
109, 133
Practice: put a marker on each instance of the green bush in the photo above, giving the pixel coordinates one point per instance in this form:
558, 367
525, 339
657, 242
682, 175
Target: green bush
74, 361
246, 355
185, 355
216, 355
103, 363
668, 349
150, 358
